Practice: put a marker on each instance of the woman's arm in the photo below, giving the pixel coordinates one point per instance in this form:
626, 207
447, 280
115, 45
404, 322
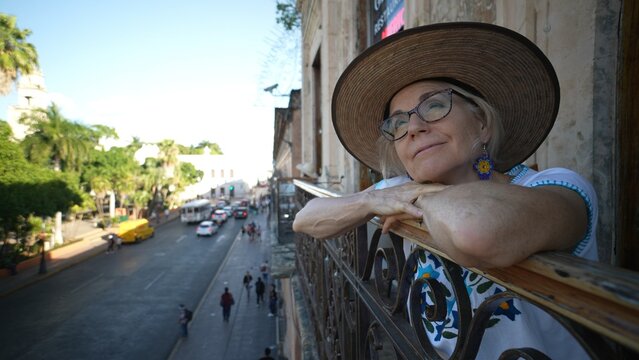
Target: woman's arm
487, 224
328, 217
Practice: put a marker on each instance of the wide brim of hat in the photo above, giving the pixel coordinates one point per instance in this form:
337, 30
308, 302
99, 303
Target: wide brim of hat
508, 70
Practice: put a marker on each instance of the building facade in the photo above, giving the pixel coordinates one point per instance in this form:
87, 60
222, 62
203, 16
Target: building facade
355, 308
582, 43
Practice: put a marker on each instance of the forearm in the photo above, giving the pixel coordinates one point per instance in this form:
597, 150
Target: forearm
327, 217
495, 225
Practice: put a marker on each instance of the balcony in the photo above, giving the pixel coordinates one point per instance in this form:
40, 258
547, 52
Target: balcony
358, 289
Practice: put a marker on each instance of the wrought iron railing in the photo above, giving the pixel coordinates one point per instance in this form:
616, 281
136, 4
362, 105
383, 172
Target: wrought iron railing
358, 286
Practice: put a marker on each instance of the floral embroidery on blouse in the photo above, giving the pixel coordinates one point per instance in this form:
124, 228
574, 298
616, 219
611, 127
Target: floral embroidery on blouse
430, 267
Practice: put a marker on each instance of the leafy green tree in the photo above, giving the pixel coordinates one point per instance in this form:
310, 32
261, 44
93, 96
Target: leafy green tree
16, 54
118, 168
287, 14
190, 175
28, 189
100, 186
135, 145
53, 139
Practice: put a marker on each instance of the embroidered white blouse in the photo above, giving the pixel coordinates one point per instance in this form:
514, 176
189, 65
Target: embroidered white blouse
515, 324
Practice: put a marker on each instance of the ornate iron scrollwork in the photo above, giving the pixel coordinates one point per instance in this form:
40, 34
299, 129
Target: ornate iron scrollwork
370, 302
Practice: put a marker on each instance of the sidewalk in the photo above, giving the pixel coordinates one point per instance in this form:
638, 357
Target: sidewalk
91, 244
250, 330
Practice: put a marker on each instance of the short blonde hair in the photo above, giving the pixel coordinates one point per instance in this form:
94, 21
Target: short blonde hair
389, 162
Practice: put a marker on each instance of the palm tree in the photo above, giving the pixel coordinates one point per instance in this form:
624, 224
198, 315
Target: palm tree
16, 55
53, 138
100, 186
135, 145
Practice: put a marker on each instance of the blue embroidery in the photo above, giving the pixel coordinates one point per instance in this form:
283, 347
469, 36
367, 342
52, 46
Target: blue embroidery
517, 172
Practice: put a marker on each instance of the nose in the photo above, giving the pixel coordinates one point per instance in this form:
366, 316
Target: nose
416, 124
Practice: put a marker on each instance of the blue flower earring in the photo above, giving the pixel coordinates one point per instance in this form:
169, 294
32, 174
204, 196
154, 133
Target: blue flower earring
484, 165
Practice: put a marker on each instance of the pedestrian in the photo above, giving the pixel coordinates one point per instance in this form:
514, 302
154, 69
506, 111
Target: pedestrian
226, 301
267, 354
259, 290
111, 239
185, 316
243, 231
247, 284
118, 242
264, 271
272, 301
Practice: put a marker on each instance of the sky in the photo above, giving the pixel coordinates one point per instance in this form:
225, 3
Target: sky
189, 70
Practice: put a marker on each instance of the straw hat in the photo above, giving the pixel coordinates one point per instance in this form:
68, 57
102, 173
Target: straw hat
508, 70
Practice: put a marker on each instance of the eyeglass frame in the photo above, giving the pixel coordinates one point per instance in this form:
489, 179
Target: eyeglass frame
412, 111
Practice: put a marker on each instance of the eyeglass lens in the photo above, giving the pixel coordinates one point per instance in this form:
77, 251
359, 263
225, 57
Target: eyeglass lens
433, 108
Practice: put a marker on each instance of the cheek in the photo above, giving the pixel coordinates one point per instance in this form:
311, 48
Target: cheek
401, 151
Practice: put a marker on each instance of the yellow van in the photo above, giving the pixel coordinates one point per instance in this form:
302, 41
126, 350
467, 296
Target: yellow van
135, 230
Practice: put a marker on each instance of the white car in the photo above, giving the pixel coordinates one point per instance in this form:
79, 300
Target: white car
219, 217
206, 228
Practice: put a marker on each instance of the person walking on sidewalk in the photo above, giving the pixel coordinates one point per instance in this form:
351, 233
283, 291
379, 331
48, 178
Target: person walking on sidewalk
183, 320
264, 271
226, 301
247, 284
267, 355
272, 301
259, 290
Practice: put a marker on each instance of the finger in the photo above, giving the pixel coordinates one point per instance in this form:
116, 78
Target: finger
388, 223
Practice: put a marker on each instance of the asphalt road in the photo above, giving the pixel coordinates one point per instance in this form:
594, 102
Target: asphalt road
115, 306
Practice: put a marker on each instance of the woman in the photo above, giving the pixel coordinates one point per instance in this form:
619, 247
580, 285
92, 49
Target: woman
447, 113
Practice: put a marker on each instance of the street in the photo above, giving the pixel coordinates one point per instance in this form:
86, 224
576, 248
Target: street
122, 305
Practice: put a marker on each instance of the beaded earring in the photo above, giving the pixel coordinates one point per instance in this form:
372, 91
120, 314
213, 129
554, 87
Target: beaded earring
484, 165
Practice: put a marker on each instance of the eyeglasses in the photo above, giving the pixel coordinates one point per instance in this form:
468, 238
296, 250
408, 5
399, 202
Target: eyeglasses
433, 108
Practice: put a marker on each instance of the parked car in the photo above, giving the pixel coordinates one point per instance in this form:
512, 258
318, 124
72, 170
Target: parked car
206, 228
240, 213
219, 217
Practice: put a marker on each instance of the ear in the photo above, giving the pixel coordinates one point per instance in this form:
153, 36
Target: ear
485, 132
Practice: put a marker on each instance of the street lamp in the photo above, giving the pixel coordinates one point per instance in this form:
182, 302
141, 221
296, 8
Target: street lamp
270, 89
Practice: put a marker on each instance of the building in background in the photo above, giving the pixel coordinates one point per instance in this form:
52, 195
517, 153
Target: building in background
32, 94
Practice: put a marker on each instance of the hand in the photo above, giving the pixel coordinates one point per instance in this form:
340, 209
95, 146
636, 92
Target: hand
402, 202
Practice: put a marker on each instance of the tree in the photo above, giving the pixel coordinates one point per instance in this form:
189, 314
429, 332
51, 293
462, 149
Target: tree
287, 14
53, 139
23, 185
116, 166
16, 54
190, 175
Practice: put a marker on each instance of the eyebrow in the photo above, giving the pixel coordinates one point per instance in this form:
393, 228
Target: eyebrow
423, 97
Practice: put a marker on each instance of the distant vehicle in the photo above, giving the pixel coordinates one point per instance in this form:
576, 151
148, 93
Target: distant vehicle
196, 211
228, 210
235, 204
219, 217
221, 204
241, 213
135, 230
206, 228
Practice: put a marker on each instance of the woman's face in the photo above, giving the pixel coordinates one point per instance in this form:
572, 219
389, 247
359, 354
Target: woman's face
442, 151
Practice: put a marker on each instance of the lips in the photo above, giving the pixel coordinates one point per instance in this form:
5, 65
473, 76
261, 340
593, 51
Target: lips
425, 148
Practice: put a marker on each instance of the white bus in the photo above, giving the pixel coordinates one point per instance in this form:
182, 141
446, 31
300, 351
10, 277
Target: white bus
196, 211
